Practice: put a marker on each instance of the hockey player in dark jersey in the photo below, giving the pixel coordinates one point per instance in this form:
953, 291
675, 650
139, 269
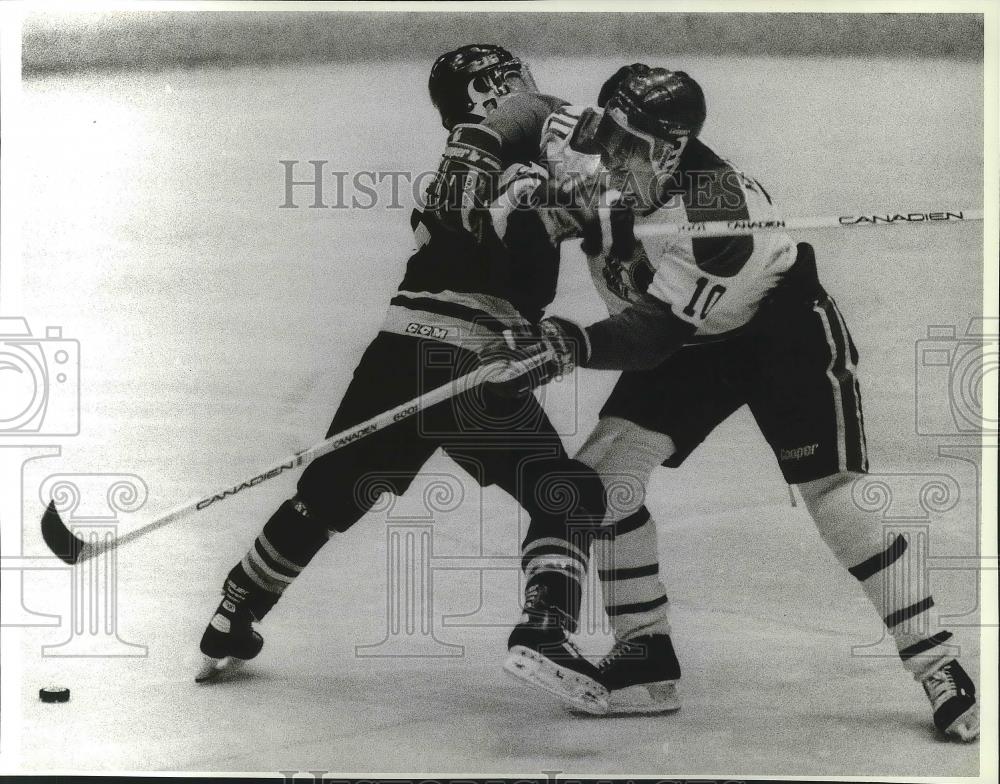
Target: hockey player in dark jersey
457, 296
701, 327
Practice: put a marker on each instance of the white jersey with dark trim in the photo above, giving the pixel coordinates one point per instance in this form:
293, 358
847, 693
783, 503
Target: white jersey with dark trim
716, 284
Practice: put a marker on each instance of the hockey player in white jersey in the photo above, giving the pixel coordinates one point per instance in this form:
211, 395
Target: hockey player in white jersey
702, 326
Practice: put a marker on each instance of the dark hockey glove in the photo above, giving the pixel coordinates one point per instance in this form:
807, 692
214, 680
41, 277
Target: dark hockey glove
568, 343
465, 183
554, 349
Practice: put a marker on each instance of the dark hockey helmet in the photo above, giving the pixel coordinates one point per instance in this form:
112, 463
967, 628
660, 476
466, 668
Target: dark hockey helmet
468, 83
612, 84
650, 112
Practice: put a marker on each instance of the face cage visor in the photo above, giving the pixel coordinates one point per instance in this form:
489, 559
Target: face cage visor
489, 87
626, 148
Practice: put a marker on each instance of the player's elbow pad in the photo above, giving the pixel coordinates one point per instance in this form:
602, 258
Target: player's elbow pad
466, 178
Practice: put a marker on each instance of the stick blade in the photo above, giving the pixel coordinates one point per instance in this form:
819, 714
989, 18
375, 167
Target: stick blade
61, 541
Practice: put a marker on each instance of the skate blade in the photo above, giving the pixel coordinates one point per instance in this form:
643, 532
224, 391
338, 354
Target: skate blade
645, 699
217, 669
966, 727
578, 690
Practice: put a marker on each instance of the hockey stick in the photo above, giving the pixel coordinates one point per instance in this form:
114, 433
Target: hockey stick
72, 549
738, 228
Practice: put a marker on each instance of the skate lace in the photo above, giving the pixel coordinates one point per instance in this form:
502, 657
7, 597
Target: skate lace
940, 685
619, 650
532, 597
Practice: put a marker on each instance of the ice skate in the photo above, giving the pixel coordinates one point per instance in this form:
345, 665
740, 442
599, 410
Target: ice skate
229, 640
641, 676
541, 653
953, 699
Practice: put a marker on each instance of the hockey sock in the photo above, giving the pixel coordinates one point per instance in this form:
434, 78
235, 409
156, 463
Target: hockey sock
625, 550
280, 552
566, 501
558, 566
627, 562
883, 566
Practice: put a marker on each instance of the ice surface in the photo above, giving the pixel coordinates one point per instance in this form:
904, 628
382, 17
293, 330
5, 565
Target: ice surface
218, 331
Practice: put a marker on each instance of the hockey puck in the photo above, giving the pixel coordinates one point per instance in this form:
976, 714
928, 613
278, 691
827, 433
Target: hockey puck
54, 694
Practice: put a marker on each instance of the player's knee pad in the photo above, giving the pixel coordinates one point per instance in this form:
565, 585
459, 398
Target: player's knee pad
565, 499
624, 455
338, 496
593, 499
294, 533
854, 535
